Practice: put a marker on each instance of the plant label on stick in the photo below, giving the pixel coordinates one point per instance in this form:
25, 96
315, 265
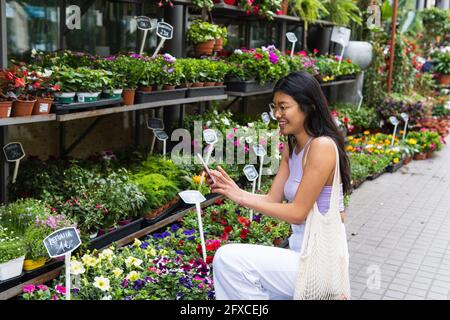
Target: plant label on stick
272, 115
395, 122
341, 35
165, 32
265, 117
210, 136
250, 172
293, 39
161, 135
405, 118
14, 153
146, 24
195, 197
61, 243
260, 152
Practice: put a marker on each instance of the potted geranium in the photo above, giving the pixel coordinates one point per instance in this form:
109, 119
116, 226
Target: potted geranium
22, 91
12, 255
45, 92
203, 36
6, 85
442, 67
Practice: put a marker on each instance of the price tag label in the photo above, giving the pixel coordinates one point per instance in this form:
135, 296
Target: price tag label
191, 196
155, 124
404, 116
210, 136
393, 120
145, 23
161, 135
250, 172
164, 30
291, 37
341, 35
259, 150
14, 151
265, 117
62, 242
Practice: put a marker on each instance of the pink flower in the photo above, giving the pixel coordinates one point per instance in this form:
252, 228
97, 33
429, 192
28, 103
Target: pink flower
29, 288
262, 141
246, 149
54, 297
280, 146
315, 51
198, 278
60, 289
234, 129
230, 136
302, 53
237, 143
42, 287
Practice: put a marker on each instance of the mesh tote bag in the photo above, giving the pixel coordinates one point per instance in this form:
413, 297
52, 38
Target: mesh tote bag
323, 269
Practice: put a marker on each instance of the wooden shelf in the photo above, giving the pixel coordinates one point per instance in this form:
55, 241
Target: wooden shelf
24, 120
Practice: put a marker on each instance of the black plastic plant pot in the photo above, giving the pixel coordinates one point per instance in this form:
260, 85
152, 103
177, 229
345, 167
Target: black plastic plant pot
173, 209
153, 96
121, 232
205, 91
247, 86
60, 108
392, 168
376, 175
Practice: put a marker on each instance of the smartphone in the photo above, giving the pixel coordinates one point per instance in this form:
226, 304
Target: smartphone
199, 156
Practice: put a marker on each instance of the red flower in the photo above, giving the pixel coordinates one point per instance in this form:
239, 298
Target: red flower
302, 53
180, 242
10, 76
315, 51
36, 84
244, 233
209, 259
224, 237
227, 229
257, 55
278, 12
346, 120
223, 222
248, 12
244, 221
199, 249
55, 87
19, 82
255, 9
218, 202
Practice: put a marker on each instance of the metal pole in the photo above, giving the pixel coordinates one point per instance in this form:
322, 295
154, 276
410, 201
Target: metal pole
4, 169
391, 58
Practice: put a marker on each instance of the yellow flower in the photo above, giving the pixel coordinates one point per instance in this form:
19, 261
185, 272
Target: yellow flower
117, 272
367, 132
350, 138
137, 242
349, 148
412, 141
197, 179
396, 160
133, 276
370, 150
107, 254
151, 251
377, 151
89, 260
101, 283
386, 142
163, 252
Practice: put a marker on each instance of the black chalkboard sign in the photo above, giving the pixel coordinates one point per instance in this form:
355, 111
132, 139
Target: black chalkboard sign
161, 135
164, 30
13, 151
62, 242
144, 23
155, 124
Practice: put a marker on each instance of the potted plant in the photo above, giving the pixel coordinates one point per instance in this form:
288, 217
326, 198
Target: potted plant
263, 8
132, 67
22, 91
442, 67
45, 92
67, 80
36, 254
221, 38
187, 68
115, 88
6, 85
12, 255
92, 82
203, 36
150, 75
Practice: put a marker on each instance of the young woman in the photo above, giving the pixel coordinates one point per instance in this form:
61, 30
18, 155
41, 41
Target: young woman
244, 271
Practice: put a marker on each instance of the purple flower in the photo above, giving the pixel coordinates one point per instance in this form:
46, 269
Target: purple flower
138, 284
273, 57
124, 283
211, 295
189, 232
169, 58
127, 298
179, 251
150, 279
144, 245
174, 227
257, 218
170, 70
110, 58
29, 288
135, 56
186, 282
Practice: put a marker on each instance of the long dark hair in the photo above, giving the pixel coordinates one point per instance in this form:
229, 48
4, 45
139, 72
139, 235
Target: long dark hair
306, 91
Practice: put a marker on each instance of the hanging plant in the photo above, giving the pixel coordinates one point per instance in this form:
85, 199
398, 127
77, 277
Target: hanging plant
309, 10
343, 12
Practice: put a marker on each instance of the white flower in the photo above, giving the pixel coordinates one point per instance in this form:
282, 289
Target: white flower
47, 73
89, 261
137, 242
33, 52
237, 51
226, 121
251, 124
249, 140
101, 283
132, 261
76, 267
107, 254
208, 123
108, 297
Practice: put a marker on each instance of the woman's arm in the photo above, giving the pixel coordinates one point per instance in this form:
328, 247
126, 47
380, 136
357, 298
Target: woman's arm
318, 167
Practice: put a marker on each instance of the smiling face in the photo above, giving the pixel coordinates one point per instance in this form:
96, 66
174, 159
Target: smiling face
291, 121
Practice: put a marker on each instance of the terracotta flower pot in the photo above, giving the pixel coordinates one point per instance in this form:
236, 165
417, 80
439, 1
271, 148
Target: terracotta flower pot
218, 45
146, 88
42, 106
407, 160
5, 109
204, 48
444, 79
219, 84
429, 154
22, 108
420, 156
128, 96
198, 84
210, 84
168, 88
284, 7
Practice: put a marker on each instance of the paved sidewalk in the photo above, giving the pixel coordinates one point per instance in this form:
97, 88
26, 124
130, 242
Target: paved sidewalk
398, 231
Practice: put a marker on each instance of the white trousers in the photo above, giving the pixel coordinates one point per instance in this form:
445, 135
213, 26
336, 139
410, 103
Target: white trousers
254, 272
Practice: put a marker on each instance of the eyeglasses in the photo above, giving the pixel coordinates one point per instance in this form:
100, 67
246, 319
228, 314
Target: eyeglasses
282, 108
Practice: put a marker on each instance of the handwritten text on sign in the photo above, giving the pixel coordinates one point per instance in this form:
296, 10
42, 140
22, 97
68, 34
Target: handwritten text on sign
62, 242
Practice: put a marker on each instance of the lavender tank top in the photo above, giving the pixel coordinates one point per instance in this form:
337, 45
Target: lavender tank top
290, 189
